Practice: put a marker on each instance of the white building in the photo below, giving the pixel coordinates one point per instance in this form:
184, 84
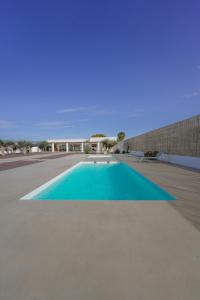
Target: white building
35, 149
95, 144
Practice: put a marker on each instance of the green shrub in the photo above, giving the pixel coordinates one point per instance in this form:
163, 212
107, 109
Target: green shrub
87, 150
151, 153
155, 153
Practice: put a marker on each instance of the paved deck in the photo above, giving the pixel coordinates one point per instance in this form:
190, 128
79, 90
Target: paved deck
182, 182
100, 250
31, 156
10, 163
16, 164
19, 155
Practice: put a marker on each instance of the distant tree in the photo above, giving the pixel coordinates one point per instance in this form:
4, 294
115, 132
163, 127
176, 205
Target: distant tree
121, 136
98, 135
109, 144
87, 149
25, 146
2, 147
9, 146
9, 143
43, 145
1, 143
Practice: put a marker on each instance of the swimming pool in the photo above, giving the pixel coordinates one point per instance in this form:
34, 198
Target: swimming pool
99, 181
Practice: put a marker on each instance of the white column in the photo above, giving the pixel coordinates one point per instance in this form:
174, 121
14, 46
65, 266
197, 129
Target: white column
67, 147
52, 147
82, 149
98, 147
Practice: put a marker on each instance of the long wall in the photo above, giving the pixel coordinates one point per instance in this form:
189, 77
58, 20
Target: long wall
181, 138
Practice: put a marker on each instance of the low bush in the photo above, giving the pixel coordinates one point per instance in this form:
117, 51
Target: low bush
155, 153
151, 153
117, 151
87, 150
148, 154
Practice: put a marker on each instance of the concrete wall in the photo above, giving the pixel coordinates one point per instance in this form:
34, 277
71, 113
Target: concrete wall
181, 138
187, 161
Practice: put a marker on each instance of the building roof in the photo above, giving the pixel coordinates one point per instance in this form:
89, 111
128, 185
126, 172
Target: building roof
91, 140
67, 141
100, 139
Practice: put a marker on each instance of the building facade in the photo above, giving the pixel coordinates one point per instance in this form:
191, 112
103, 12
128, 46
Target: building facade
94, 144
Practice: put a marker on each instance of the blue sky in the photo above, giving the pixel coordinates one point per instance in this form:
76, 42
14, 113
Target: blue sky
73, 68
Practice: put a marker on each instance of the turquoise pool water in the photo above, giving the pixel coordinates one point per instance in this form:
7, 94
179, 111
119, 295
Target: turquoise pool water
115, 181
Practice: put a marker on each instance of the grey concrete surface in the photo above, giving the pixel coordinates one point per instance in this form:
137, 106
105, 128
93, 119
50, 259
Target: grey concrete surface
182, 182
30, 156
100, 250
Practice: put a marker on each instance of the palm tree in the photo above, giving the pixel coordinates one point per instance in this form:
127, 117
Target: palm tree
121, 136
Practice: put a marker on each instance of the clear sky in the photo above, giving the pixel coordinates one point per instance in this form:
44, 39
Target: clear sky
73, 68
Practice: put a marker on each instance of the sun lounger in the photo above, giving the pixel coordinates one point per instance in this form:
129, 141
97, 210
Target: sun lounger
143, 158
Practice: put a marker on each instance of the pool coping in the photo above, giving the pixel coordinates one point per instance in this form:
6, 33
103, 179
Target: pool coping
100, 156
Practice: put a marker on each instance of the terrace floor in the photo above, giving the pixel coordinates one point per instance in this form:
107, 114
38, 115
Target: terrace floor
103, 249
182, 182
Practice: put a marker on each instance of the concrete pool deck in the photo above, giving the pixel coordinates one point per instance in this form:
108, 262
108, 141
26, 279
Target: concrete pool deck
97, 250
182, 182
